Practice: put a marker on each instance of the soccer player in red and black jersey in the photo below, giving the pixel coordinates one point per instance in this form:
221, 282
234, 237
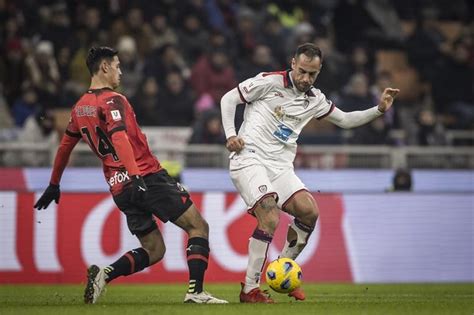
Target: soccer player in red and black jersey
141, 188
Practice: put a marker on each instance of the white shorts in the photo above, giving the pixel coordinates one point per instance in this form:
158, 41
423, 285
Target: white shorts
255, 181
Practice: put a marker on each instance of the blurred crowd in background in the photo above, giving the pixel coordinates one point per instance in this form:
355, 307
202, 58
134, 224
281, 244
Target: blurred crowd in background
179, 58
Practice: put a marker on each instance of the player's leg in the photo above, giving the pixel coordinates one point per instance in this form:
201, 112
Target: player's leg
255, 188
305, 211
268, 216
142, 225
197, 254
171, 202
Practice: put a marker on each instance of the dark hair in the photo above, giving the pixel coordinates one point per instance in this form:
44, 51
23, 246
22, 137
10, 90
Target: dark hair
96, 55
310, 50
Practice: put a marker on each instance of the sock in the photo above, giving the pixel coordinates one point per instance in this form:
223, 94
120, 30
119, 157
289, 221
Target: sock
197, 253
133, 261
297, 238
258, 249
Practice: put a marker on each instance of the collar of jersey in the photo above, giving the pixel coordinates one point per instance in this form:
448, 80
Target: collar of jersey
99, 90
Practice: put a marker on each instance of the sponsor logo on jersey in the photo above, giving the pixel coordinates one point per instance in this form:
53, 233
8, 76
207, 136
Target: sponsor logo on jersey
281, 115
119, 177
278, 93
116, 114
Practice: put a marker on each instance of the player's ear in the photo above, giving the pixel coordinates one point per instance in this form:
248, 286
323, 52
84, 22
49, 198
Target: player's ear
293, 63
104, 66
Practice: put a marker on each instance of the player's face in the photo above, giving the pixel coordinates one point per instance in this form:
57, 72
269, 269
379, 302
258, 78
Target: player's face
114, 72
305, 71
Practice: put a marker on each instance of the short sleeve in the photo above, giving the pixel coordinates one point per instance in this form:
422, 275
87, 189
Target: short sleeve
324, 107
72, 130
254, 88
114, 111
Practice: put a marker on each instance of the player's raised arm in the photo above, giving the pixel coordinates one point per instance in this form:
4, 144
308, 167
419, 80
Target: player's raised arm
68, 142
359, 118
229, 104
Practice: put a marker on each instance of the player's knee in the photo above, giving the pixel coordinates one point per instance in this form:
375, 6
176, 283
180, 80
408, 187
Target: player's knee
269, 222
156, 253
272, 223
204, 227
200, 228
268, 203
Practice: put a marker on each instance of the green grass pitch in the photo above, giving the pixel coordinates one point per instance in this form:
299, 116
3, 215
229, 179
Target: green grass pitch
167, 299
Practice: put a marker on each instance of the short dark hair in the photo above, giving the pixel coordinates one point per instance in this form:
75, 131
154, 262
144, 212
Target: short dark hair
96, 55
310, 50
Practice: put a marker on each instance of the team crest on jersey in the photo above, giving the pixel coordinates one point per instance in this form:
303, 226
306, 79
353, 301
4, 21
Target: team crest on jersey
116, 115
262, 189
305, 104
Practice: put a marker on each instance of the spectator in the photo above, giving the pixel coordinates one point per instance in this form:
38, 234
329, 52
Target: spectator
38, 128
164, 60
25, 106
43, 73
192, 38
131, 65
430, 130
274, 35
402, 180
213, 74
146, 103
208, 129
15, 68
175, 102
453, 87
262, 61
163, 34
374, 133
356, 94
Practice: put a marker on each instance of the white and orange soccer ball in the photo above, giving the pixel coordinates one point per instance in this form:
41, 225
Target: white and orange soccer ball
283, 275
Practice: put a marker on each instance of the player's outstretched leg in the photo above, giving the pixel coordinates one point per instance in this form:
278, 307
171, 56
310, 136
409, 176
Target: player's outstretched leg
267, 214
152, 251
197, 253
305, 210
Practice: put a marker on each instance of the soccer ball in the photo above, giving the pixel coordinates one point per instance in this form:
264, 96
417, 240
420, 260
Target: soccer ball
283, 275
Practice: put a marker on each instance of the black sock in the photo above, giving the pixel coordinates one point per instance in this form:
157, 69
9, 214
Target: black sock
133, 261
197, 254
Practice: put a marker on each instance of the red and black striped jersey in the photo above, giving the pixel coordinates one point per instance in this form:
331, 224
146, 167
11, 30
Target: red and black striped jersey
95, 117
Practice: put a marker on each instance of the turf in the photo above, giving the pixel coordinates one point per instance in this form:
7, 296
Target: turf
167, 299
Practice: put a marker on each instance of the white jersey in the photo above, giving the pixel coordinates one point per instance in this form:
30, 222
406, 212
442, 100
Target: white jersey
275, 114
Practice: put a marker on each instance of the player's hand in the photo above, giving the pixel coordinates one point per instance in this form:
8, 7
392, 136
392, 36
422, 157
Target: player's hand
139, 188
386, 100
51, 193
235, 144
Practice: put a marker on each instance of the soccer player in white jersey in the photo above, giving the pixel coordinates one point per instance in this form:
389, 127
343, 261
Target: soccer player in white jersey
279, 105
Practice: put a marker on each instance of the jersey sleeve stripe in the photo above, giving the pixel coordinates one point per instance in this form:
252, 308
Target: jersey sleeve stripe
329, 112
73, 134
119, 128
242, 98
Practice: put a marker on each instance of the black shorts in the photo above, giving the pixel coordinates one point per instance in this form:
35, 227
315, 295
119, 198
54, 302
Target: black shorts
166, 199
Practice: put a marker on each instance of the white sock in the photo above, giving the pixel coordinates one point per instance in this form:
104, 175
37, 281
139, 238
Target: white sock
258, 249
294, 248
